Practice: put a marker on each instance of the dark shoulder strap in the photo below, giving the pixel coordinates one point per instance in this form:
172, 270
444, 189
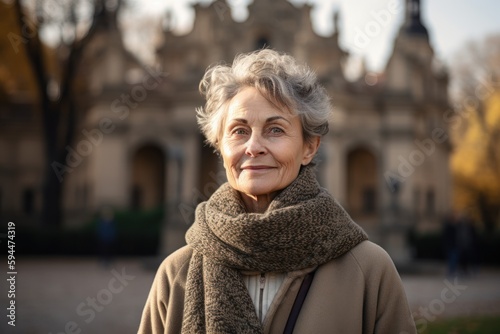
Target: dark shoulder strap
299, 300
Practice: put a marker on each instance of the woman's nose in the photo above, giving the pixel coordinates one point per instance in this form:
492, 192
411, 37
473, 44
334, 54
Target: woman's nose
255, 146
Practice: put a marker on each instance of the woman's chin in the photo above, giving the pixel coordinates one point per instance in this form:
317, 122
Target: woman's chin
256, 190
259, 189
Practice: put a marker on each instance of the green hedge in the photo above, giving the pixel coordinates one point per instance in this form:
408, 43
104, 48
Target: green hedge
464, 325
430, 246
137, 233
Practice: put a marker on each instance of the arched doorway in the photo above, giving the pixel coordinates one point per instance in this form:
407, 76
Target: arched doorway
262, 42
148, 178
211, 174
362, 199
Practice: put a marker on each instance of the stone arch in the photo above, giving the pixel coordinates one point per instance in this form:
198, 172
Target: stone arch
362, 183
211, 173
262, 41
147, 177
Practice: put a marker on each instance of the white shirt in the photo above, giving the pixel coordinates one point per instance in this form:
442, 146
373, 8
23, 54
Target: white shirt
263, 289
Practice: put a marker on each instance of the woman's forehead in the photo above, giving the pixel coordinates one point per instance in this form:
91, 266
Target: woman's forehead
250, 102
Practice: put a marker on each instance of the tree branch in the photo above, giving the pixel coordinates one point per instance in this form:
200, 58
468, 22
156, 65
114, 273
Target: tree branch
76, 49
33, 48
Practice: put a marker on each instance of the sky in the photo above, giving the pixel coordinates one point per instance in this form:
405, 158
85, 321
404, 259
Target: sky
451, 23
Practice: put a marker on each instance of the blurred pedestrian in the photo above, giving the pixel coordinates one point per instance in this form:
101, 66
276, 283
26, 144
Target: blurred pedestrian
467, 244
106, 234
450, 243
460, 243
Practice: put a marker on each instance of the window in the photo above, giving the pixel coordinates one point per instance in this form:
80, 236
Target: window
136, 197
361, 182
430, 202
416, 201
262, 43
148, 177
85, 195
369, 200
28, 201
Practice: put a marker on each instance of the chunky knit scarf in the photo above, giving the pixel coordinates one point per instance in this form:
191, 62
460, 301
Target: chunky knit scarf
303, 227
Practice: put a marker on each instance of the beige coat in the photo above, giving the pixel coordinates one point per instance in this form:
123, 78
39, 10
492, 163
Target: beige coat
359, 292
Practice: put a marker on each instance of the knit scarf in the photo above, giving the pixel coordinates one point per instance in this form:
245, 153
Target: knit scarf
303, 227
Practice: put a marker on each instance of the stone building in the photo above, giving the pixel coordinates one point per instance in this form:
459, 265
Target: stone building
385, 158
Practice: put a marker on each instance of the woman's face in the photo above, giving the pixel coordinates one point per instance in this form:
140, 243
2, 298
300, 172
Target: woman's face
262, 147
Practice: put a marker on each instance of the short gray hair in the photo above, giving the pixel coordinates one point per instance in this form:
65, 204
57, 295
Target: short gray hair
278, 77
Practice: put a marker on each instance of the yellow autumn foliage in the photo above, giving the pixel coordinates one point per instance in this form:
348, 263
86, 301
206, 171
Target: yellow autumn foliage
15, 72
476, 158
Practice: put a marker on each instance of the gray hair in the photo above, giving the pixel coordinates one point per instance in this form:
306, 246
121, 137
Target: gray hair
278, 77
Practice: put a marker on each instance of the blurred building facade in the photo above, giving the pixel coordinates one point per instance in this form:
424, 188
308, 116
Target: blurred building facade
385, 158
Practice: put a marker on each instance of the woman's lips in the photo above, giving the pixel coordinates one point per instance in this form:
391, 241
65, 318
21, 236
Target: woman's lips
257, 168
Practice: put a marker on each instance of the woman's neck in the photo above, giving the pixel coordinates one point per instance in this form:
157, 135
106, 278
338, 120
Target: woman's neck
259, 203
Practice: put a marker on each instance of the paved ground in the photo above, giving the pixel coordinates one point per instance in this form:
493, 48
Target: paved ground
66, 295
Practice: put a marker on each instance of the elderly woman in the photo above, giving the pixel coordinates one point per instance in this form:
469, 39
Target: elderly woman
271, 251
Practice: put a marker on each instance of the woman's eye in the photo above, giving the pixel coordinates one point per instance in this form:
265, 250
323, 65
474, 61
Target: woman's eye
276, 130
239, 131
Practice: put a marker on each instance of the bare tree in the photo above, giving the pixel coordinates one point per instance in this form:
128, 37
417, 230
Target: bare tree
70, 24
